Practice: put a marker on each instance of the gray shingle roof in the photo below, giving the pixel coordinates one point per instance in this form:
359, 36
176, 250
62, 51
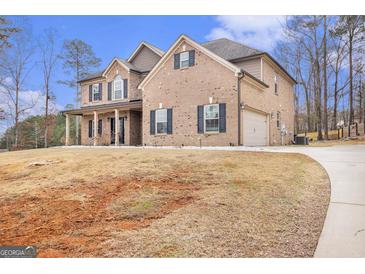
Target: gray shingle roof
230, 50
92, 76
100, 73
129, 65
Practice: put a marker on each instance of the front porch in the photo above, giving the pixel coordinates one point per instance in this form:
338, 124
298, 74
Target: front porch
109, 124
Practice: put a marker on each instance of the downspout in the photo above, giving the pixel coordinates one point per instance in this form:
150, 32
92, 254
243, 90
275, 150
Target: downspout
239, 75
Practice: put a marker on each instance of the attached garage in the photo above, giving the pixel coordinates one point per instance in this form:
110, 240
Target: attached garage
255, 128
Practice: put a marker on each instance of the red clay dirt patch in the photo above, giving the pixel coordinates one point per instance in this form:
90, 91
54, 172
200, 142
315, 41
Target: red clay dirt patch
73, 221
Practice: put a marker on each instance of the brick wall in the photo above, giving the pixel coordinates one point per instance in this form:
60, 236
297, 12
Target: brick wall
184, 89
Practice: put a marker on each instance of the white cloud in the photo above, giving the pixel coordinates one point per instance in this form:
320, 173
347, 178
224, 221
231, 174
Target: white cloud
261, 32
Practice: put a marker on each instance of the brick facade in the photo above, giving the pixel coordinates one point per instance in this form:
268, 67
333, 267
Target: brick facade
182, 90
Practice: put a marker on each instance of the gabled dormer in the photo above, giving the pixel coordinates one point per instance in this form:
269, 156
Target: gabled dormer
145, 56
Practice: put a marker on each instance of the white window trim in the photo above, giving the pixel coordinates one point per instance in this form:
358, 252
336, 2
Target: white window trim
94, 92
185, 52
162, 133
122, 90
205, 119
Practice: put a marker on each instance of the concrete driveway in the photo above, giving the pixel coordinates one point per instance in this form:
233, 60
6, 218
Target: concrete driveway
343, 233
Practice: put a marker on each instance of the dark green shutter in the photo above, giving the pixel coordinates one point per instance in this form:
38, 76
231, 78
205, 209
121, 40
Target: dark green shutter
152, 122
222, 117
191, 58
169, 121
125, 88
177, 61
90, 93
109, 91
100, 91
200, 119
90, 128
100, 127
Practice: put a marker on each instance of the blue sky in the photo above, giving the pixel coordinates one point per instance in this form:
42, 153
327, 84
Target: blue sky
112, 36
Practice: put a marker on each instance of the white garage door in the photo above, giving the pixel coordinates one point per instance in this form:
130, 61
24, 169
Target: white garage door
254, 129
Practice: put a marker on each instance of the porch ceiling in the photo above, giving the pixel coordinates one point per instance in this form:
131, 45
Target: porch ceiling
102, 108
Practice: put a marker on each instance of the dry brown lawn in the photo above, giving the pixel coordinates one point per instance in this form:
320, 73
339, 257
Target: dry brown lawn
333, 141
354, 141
161, 203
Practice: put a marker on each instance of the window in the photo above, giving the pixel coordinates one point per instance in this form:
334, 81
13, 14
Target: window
211, 118
278, 120
184, 59
118, 88
161, 121
276, 80
96, 94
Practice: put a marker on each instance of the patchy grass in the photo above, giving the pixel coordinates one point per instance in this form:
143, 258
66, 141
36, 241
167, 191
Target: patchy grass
354, 141
332, 135
161, 203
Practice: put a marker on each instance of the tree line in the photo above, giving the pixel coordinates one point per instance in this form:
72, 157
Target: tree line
325, 54
20, 53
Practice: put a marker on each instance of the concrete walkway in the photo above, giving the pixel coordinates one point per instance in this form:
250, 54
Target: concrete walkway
343, 233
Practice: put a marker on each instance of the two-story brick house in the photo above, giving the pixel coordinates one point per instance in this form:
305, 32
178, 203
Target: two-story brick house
218, 93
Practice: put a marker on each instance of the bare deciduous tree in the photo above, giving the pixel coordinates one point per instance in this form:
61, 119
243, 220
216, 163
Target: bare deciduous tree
48, 62
305, 33
337, 59
325, 96
6, 31
352, 28
14, 68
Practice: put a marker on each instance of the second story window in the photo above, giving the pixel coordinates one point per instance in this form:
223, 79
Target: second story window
118, 88
184, 59
96, 92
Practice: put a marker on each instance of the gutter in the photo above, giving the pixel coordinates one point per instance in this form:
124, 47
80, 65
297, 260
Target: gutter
79, 111
240, 74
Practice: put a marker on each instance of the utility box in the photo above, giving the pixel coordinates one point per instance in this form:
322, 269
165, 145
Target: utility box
301, 140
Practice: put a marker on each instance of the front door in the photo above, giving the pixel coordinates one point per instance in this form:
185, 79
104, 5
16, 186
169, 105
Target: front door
121, 131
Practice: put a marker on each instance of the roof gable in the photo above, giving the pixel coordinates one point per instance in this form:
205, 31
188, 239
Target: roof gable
233, 51
121, 62
145, 45
168, 54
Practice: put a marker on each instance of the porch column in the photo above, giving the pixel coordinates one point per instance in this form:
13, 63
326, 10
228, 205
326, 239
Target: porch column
116, 111
67, 129
95, 128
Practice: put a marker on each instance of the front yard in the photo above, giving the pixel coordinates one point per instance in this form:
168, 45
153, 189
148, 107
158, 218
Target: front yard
161, 203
